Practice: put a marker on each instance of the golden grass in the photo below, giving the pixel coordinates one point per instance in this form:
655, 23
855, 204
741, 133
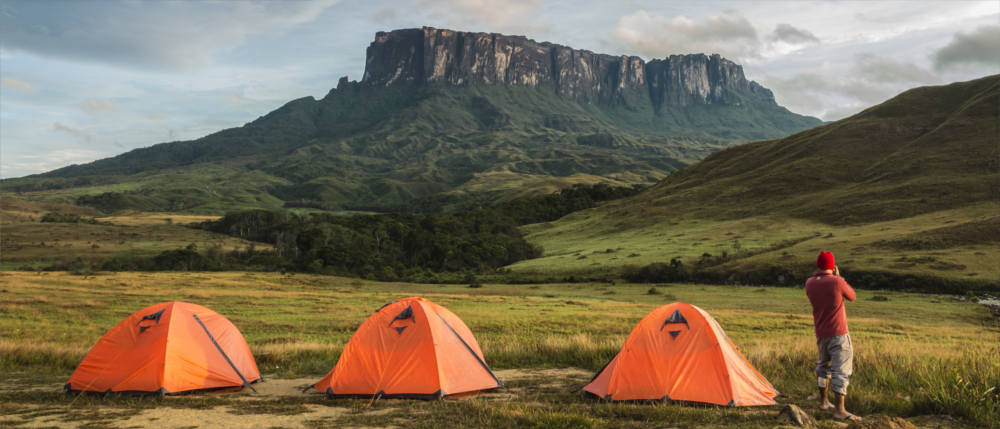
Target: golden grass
18, 210
147, 219
27, 242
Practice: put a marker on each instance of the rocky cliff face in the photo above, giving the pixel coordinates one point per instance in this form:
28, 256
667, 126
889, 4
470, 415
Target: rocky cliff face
418, 56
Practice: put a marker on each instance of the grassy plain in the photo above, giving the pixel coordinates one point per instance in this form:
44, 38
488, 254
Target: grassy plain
917, 355
27, 242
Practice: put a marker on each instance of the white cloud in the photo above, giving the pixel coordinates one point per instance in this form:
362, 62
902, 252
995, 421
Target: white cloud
93, 107
652, 36
237, 100
17, 84
46, 162
504, 16
882, 69
868, 80
494, 12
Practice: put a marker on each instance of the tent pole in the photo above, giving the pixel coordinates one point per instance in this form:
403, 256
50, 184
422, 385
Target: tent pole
218, 347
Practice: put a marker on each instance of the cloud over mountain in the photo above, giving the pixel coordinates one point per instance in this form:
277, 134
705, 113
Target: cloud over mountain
75, 132
977, 48
654, 36
791, 35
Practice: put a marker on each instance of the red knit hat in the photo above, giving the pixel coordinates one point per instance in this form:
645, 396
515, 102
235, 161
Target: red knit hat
825, 261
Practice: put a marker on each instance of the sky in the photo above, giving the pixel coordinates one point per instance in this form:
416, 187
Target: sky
88, 79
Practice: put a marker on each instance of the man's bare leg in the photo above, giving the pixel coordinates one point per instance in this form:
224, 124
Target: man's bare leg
824, 403
841, 412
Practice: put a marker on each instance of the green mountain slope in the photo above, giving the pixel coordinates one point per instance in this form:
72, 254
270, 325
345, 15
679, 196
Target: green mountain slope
380, 147
928, 149
908, 186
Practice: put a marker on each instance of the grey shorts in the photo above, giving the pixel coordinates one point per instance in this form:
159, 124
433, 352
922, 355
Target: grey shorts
836, 362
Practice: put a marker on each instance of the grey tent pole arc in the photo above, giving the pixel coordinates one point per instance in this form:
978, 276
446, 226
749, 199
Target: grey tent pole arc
483, 364
219, 348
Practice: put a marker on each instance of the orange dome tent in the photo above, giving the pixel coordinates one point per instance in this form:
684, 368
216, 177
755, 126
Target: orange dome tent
679, 352
411, 348
167, 348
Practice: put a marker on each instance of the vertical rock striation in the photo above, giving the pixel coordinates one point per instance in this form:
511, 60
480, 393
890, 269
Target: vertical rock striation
428, 55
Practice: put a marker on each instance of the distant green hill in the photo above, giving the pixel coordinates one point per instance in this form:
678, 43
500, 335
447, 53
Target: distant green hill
910, 186
378, 147
382, 144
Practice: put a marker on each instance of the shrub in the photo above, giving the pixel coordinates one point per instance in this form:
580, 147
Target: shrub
67, 218
658, 272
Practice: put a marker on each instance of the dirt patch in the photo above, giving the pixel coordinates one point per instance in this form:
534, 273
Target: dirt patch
227, 416
272, 388
936, 422
521, 382
553, 373
882, 422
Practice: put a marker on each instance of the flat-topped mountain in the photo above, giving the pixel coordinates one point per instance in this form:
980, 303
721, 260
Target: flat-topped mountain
428, 55
440, 112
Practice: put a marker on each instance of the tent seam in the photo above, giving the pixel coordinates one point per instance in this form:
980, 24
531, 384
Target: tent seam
469, 348
434, 339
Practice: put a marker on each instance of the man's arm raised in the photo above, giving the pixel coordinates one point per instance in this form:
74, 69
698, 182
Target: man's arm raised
847, 290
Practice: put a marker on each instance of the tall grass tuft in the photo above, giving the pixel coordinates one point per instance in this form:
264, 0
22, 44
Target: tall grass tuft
19, 356
554, 351
964, 387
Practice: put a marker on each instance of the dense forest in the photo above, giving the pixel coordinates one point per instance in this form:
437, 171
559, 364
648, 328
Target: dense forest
413, 246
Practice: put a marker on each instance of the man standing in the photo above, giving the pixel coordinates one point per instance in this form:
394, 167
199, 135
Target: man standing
827, 292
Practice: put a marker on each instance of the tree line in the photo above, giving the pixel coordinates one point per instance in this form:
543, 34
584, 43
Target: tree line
412, 246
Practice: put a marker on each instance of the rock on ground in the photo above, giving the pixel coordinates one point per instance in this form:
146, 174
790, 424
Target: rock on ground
797, 416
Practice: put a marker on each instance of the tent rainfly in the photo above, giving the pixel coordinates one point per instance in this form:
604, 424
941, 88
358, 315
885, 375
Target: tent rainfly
678, 352
169, 347
411, 348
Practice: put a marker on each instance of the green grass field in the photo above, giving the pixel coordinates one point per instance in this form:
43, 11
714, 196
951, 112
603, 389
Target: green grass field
960, 243
923, 357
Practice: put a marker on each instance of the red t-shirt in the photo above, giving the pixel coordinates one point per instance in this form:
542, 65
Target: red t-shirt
826, 294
